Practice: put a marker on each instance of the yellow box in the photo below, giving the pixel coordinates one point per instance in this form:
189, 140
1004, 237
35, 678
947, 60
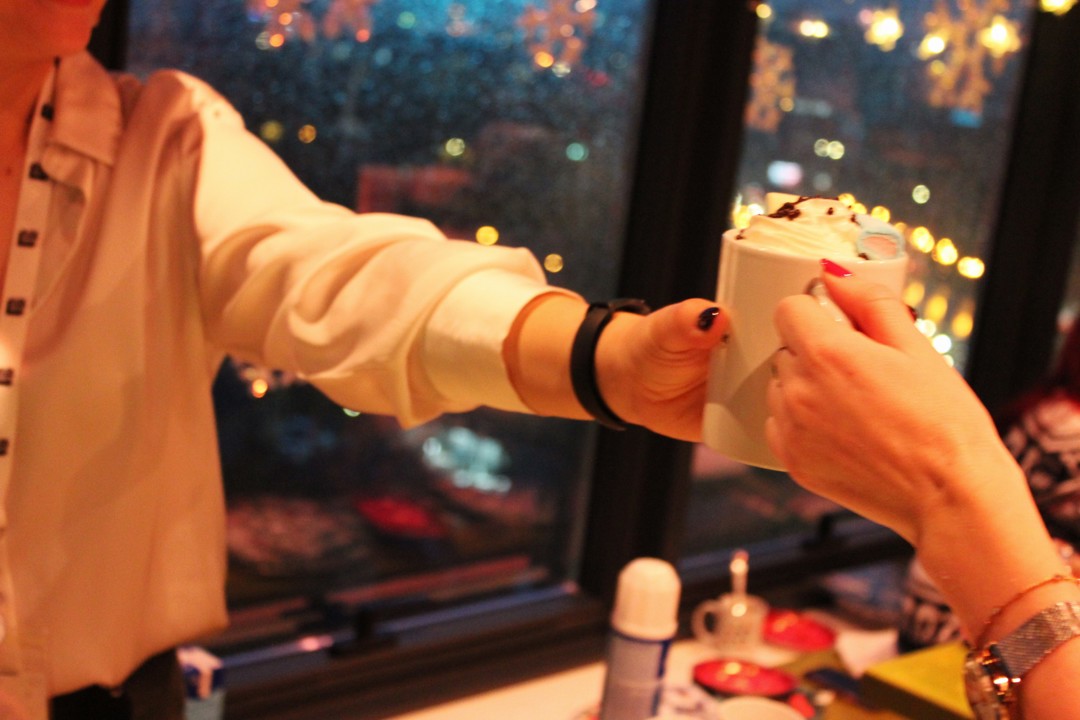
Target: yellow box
926, 684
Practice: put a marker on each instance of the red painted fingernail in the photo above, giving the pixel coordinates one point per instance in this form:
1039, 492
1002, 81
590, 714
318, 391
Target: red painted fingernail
914, 312
835, 269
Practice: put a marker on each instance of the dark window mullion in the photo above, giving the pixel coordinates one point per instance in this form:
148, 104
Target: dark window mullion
687, 159
1037, 226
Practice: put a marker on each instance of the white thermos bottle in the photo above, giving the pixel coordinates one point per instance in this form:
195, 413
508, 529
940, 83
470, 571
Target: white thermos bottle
643, 624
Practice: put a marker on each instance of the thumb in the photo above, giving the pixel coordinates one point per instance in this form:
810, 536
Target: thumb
877, 312
694, 324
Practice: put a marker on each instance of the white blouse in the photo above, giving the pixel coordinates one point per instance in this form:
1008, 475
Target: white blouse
174, 236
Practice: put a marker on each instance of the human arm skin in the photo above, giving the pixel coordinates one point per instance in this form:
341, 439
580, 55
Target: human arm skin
651, 369
876, 421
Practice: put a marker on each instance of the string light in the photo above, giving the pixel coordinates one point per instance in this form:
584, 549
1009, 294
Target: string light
942, 343
914, 293
922, 239
936, 307
455, 147
487, 235
932, 45
543, 59
1057, 7
271, 131
307, 134
945, 251
1001, 37
962, 324
885, 29
814, 28
971, 267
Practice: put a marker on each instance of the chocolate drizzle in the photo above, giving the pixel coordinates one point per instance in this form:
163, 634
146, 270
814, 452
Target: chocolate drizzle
787, 210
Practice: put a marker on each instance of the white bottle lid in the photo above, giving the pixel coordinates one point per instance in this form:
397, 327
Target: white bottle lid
647, 600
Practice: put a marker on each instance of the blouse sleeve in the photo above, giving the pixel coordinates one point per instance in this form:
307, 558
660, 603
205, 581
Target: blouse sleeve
381, 312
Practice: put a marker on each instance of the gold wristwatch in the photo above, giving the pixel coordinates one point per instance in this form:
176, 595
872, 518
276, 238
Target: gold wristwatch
992, 675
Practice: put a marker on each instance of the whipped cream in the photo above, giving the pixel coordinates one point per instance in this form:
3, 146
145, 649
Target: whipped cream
822, 228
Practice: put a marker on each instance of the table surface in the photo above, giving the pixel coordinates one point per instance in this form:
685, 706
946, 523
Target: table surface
566, 695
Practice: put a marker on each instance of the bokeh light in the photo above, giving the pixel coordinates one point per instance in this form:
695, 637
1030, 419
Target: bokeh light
487, 235
553, 263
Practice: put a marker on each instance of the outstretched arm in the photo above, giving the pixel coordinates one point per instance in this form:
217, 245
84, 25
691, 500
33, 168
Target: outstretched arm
874, 419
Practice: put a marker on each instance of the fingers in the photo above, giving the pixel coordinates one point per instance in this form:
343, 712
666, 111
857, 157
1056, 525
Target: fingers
877, 312
694, 324
874, 309
777, 422
800, 320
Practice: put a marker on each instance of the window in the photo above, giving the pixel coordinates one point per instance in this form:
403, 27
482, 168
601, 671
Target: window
509, 122
908, 111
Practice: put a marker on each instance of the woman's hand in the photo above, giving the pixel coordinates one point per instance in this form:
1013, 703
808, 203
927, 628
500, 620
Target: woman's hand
873, 417
652, 369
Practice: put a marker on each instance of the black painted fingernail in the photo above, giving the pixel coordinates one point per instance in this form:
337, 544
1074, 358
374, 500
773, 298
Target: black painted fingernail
706, 319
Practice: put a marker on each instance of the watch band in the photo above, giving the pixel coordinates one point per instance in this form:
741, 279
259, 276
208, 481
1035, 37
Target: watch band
583, 358
1024, 647
993, 674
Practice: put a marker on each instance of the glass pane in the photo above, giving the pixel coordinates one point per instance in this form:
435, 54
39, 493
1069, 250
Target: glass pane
506, 122
906, 109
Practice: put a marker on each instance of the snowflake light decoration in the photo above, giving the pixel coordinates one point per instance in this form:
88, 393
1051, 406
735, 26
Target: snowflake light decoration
772, 85
961, 47
884, 29
285, 19
351, 15
281, 20
555, 37
1057, 7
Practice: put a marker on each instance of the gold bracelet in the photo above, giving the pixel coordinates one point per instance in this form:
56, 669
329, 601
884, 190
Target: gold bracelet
981, 641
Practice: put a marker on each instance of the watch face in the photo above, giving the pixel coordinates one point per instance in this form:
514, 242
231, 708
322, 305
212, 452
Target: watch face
981, 693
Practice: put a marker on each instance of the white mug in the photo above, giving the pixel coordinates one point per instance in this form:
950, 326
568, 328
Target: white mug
752, 282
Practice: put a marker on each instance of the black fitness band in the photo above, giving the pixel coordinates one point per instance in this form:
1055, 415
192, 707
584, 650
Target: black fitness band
583, 358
